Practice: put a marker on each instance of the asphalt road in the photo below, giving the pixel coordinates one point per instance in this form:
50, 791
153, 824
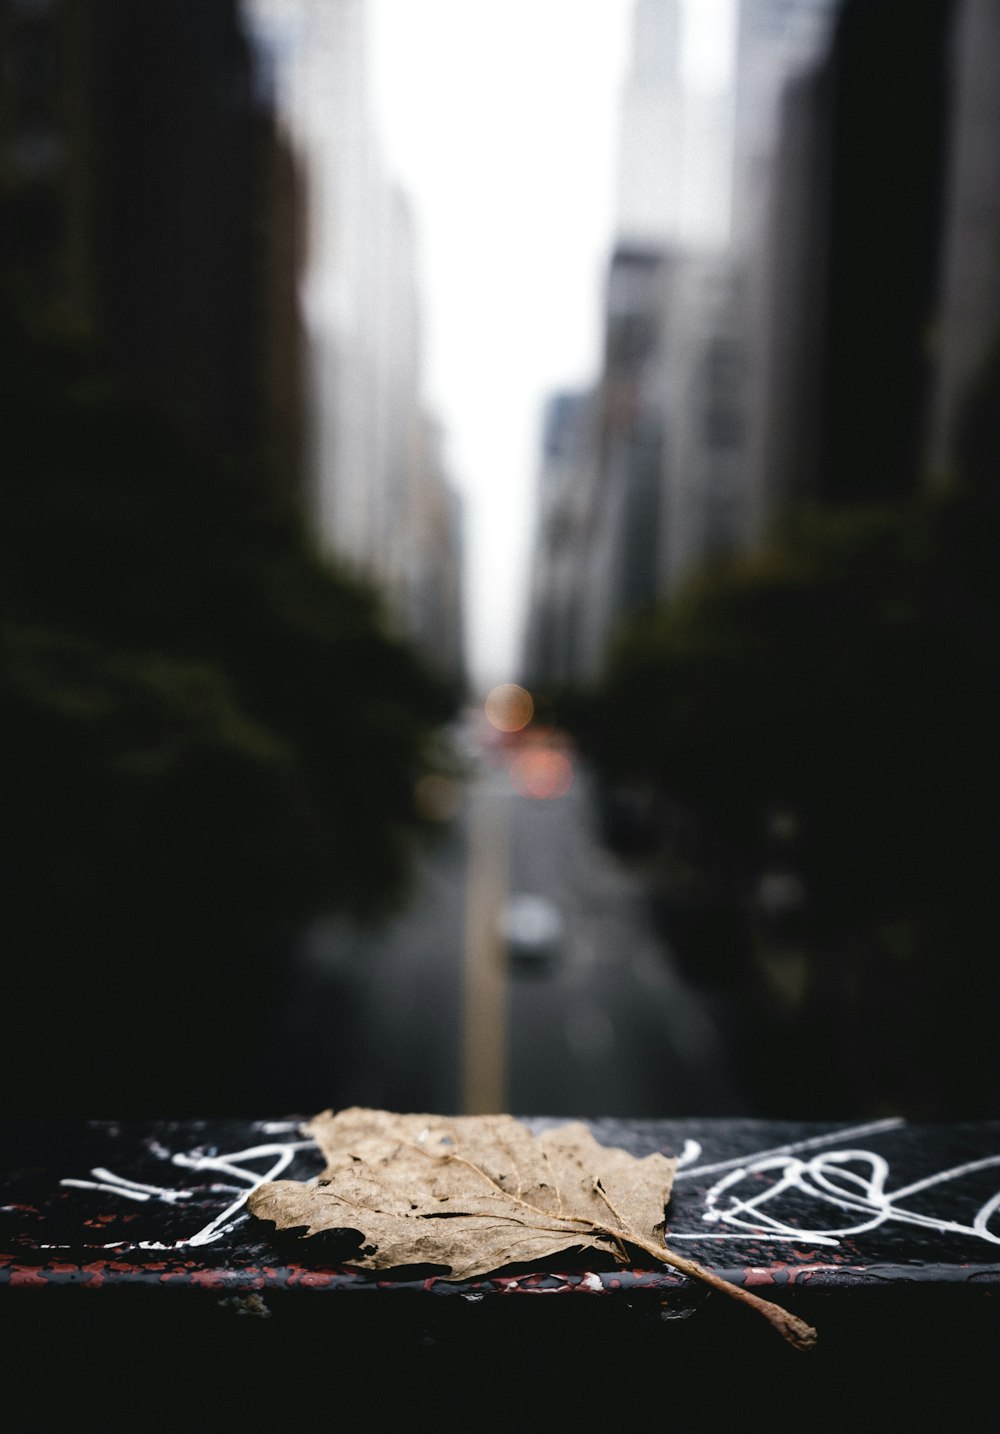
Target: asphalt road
446, 1009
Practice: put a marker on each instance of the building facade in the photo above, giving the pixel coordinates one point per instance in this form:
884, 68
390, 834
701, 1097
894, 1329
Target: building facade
150, 212
379, 498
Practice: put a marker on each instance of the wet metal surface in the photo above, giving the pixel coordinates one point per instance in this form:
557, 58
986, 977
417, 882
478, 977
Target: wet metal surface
766, 1204
133, 1282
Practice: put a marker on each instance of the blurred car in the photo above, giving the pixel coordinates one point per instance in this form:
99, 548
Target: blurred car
532, 928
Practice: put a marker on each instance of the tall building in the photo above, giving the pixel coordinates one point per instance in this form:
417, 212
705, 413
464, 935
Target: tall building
704, 507
889, 122
778, 43
831, 351
674, 142
599, 545
775, 41
649, 485
850, 283
965, 334
563, 513
648, 171
379, 498
146, 198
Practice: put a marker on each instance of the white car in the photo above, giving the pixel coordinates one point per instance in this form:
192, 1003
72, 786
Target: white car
532, 928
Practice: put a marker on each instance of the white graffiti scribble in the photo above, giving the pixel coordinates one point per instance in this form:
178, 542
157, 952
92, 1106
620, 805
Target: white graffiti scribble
795, 1147
759, 1197
751, 1197
232, 1164
131, 1189
690, 1154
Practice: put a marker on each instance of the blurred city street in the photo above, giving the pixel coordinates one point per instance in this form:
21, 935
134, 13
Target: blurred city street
338, 395
525, 976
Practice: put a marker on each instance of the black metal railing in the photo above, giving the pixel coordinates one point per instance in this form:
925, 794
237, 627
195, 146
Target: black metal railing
130, 1268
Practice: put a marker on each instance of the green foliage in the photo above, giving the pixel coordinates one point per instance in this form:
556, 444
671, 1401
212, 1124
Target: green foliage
849, 672
189, 607
210, 734
850, 675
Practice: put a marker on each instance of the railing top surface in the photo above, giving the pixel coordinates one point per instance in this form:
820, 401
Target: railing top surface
764, 1203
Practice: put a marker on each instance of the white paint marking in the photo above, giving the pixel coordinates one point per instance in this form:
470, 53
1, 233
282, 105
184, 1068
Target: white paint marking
830, 1182
280, 1154
892, 1123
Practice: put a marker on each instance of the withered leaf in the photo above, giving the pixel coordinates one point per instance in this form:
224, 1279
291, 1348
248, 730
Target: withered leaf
472, 1194
475, 1194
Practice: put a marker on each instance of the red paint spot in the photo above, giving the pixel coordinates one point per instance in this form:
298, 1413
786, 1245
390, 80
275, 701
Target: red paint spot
211, 1279
757, 1276
316, 1279
23, 1276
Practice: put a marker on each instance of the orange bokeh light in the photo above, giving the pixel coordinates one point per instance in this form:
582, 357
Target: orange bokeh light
542, 773
509, 707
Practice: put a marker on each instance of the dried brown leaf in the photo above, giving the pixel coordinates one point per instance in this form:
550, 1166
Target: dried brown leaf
475, 1194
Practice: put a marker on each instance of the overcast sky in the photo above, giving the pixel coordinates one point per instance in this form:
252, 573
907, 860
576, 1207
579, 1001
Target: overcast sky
500, 119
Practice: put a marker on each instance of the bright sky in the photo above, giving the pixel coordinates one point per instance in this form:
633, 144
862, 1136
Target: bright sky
500, 120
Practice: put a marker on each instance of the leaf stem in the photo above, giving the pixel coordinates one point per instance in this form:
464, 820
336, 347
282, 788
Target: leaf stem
795, 1330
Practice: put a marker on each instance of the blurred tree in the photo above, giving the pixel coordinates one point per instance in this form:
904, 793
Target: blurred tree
848, 677
211, 737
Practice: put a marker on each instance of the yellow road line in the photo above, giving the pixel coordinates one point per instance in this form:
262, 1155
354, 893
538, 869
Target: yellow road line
484, 1034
